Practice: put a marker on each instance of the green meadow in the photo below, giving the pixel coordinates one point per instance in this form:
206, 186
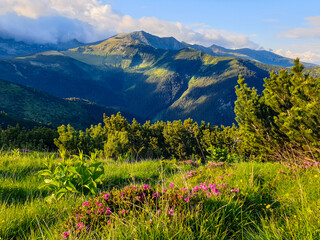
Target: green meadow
180, 200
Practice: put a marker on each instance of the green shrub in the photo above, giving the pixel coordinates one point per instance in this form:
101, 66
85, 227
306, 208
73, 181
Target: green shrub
79, 174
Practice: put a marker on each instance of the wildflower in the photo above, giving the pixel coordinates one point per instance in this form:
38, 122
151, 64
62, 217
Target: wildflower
106, 196
208, 194
281, 171
65, 235
86, 203
171, 212
194, 189
187, 199
171, 185
158, 212
109, 222
183, 189
108, 211
123, 211
316, 164
146, 187
164, 190
268, 206
150, 220
80, 225
215, 191
156, 195
100, 205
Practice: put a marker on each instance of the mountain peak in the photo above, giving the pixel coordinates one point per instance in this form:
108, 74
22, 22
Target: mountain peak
167, 43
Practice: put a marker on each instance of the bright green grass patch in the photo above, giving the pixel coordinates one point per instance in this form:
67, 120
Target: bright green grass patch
273, 202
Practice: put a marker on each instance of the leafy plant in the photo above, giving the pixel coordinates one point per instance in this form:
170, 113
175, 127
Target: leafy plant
79, 174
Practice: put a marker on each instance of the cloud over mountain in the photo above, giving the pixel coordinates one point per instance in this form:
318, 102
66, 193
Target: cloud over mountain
91, 20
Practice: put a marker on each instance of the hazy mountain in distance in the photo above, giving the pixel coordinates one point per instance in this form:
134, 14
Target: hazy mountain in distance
11, 48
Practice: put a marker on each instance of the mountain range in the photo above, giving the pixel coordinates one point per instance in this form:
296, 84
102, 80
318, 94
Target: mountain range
143, 76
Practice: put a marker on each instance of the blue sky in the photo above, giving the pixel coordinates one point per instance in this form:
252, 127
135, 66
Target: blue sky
290, 28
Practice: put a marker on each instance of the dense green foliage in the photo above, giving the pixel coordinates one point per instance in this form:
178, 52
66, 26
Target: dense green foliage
118, 137
38, 138
283, 122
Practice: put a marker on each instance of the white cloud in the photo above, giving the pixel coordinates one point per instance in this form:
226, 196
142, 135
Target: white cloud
312, 31
95, 21
302, 51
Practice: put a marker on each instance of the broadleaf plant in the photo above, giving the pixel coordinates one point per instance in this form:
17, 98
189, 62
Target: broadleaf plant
79, 174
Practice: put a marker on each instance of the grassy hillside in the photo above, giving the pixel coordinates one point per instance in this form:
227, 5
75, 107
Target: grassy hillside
27, 106
255, 201
315, 71
168, 85
148, 82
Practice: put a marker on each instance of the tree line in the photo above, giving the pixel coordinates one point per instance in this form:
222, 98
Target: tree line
283, 122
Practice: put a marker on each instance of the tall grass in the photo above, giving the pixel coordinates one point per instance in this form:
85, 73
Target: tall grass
274, 201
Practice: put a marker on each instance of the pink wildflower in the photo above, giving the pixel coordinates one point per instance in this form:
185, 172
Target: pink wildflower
80, 225
86, 203
171, 212
108, 211
215, 191
171, 185
158, 212
106, 196
146, 187
65, 235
